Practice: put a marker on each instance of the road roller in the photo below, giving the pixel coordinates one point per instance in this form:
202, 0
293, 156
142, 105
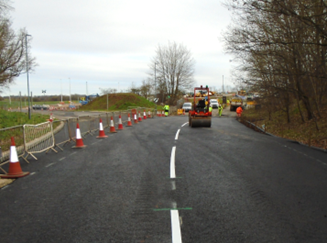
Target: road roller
200, 116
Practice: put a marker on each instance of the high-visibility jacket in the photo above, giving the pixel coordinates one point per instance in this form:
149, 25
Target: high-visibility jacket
239, 110
210, 108
166, 107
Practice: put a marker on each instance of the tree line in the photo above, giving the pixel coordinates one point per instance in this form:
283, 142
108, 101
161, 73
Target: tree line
282, 48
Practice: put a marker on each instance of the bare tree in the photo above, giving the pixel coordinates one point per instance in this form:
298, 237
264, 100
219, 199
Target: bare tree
173, 66
145, 88
12, 49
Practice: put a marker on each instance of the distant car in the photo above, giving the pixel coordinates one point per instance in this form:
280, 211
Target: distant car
37, 107
214, 103
45, 107
187, 106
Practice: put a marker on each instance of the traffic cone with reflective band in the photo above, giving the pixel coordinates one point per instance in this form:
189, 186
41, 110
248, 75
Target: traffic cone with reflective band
135, 118
15, 171
129, 122
159, 114
79, 140
144, 115
101, 131
112, 125
149, 114
51, 118
140, 118
120, 124
163, 113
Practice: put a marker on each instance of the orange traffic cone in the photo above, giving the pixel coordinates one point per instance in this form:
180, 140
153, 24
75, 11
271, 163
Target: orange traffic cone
15, 171
163, 114
144, 115
112, 125
79, 140
129, 123
140, 118
149, 114
135, 118
120, 124
101, 131
159, 114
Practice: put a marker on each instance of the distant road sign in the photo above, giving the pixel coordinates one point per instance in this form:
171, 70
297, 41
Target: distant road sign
156, 100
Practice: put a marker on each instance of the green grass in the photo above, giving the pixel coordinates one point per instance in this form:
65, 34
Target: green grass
12, 119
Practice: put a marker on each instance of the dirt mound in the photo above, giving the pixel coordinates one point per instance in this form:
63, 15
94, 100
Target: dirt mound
121, 101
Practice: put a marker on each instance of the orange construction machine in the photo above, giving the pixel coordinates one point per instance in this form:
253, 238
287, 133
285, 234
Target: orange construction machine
200, 116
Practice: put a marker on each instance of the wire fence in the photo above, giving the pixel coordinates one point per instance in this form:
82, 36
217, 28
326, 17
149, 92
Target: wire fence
33, 139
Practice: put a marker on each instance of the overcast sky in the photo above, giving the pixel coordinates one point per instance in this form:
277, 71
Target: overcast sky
110, 44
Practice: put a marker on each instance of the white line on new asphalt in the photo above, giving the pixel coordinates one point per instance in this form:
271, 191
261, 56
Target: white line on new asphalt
172, 163
175, 225
174, 215
62, 158
184, 124
176, 137
72, 153
49, 164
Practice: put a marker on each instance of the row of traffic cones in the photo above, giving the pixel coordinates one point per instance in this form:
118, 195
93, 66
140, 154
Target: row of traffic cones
160, 113
15, 170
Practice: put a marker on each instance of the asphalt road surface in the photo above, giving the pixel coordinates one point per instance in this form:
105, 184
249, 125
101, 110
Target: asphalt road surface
163, 181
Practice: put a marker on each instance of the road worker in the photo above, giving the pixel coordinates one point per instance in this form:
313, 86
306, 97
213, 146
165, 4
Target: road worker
166, 108
239, 111
220, 109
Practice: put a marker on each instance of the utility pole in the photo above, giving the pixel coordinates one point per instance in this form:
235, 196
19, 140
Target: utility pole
107, 101
70, 95
223, 85
20, 101
61, 90
155, 81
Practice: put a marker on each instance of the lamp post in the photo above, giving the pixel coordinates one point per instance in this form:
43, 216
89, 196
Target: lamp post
28, 83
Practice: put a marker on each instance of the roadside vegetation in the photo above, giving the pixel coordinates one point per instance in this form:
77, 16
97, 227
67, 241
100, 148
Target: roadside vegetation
276, 123
280, 47
11, 119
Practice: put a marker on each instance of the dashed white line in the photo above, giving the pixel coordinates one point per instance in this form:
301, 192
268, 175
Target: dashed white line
62, 158
172, 163
173, 185
177, 133
72, 153
49, 165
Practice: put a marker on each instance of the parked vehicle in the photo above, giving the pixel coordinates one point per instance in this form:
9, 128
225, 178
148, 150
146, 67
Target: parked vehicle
187, 106
214, 103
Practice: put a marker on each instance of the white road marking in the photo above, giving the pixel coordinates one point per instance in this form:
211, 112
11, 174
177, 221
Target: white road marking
72, 153
177, 133
175, 225
172, 163
184, 124
173, 185
62, 158
32, 173
49, 164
